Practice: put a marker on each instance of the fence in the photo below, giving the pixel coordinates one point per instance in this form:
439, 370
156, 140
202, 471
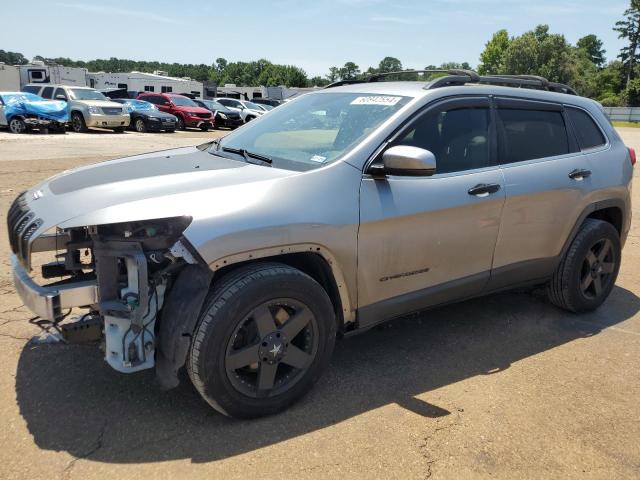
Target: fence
623, 114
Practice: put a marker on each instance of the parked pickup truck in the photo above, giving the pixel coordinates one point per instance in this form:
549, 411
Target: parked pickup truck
21, 112
87, 106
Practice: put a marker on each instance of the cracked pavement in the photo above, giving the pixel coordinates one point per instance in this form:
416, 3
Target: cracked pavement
504, 387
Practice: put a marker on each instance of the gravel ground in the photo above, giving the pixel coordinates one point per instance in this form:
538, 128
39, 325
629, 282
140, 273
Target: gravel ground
500, 387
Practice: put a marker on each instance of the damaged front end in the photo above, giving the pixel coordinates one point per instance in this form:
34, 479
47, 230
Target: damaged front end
120, 272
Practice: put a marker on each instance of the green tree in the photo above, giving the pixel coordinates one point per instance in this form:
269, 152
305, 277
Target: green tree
538, 52
629, 29
12, 58
389, 64
350, 71
318, 81
334, 74
592, 46
492, 57
221, 64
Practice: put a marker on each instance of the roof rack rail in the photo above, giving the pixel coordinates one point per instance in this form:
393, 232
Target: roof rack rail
466, 74
462, 77
530, 81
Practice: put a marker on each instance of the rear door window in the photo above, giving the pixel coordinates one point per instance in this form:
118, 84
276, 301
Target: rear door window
587, 132
528, 134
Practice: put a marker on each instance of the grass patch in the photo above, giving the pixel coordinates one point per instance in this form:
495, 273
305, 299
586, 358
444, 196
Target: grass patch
626, 124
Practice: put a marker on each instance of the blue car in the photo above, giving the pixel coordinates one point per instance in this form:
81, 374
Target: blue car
145, 116
21, 112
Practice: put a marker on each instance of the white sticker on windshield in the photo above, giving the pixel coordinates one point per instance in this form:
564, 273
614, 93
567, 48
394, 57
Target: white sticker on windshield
318, 158
376, 100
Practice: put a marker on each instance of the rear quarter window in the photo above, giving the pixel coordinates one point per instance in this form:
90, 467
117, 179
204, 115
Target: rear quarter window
587, 132
31, 89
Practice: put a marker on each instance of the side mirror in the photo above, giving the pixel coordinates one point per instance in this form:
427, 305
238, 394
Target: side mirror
406, 160
61, 97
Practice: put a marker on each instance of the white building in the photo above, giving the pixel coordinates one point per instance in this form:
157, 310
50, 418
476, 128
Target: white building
157, 82
9, 78
38, 72
249, 93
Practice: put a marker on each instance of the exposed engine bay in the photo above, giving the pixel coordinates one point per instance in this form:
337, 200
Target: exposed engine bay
125, 270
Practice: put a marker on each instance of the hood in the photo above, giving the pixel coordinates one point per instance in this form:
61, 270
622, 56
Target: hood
192, 109
100, 103
183, 181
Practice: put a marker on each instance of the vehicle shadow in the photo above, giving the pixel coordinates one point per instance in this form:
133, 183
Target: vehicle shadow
73, 402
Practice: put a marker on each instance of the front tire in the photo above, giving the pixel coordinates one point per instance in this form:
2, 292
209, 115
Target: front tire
17, 125
587, 273
265, 336
77, 123
140, 126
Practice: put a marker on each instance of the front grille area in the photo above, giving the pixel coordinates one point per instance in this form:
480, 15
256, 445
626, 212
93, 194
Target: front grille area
112, 110
21, 226
204, 115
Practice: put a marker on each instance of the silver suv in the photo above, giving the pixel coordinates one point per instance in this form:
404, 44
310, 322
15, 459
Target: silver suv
244, 259
87, 106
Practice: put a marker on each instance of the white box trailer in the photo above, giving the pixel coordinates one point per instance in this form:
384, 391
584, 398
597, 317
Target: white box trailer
9, 78
41, 73
136, 82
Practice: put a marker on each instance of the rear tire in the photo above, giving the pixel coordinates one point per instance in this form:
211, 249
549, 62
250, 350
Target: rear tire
77, 123
180, 124
274, 313
587, 273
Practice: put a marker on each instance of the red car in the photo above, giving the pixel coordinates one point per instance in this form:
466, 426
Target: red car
187, 112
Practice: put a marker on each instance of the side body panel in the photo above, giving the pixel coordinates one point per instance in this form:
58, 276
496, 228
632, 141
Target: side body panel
421, 233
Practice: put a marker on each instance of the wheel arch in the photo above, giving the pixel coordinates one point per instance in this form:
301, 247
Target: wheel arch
610, 210
312, 259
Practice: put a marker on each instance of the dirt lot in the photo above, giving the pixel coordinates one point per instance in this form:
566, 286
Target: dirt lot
501, 387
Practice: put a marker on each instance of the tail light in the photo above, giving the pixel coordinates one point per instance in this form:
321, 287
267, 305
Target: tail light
632, 156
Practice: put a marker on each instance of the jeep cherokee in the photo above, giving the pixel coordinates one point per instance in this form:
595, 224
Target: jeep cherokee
244, 259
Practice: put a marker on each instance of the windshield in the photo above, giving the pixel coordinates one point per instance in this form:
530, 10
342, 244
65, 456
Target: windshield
252, 106
214, 105
21, 97
183, 101
314, 130
86, 94
266, 107
139, 105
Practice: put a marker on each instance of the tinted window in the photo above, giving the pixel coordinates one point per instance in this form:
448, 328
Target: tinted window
47, 92
166, 89
530, 134
149, 88
588, 133
458, 138
31, 88
60, 91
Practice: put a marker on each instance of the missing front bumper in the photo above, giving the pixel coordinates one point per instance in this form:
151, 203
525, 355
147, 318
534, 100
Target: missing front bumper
49, 301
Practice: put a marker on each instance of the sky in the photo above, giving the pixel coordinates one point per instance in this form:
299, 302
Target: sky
314, 35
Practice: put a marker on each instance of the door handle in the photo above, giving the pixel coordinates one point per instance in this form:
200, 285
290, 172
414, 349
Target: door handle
579, 174
483, 189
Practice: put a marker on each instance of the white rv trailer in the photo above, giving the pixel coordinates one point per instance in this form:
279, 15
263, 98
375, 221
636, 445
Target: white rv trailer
9, 78
135, 82
38, 72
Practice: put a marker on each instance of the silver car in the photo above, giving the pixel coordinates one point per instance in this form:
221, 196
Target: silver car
87, 106
244, 259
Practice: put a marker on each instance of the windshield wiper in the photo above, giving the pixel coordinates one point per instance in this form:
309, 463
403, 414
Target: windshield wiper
247, 155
